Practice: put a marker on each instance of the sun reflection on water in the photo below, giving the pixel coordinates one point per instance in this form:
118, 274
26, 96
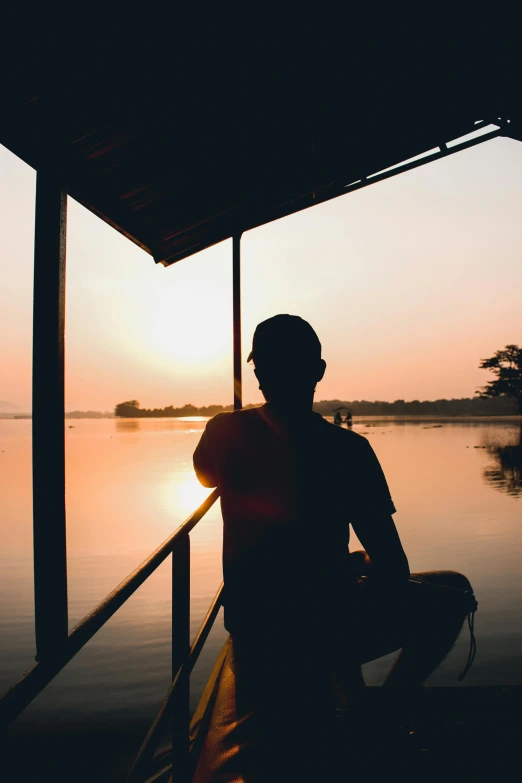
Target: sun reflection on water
183, 494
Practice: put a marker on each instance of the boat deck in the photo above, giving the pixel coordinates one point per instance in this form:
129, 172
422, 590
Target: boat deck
454, 733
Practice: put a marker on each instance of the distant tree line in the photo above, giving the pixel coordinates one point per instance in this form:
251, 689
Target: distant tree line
502, 396
131, 409
89, 415
466, 406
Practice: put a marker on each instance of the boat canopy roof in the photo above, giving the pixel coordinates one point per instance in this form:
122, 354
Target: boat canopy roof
181, 139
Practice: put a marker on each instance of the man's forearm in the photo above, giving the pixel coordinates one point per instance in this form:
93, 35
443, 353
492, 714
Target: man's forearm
380, 539
393, 572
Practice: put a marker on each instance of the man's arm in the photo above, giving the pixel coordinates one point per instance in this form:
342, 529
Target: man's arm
204, 459
373, 522
379, 537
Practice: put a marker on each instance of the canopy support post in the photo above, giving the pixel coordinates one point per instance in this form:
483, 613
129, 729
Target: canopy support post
180, 718
236, 306
49, 544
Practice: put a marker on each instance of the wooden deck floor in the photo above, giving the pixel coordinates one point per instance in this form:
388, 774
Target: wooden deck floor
461, 734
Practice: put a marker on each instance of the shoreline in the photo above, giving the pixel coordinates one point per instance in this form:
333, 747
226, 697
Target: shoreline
512, 417
412, 417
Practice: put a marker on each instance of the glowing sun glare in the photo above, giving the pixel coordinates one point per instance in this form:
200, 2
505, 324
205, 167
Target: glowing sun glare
183, 495
192, 330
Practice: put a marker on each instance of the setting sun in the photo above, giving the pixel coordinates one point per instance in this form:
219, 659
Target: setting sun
190, 330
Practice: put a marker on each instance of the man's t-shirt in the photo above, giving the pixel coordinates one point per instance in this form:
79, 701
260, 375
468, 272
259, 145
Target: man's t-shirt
289, 492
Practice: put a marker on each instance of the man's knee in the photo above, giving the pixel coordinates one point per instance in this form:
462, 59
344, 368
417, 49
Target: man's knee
452, 579
446, 595
458, 580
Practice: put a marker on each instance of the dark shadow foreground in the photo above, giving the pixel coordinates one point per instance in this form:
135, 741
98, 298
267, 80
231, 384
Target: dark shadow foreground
468, 733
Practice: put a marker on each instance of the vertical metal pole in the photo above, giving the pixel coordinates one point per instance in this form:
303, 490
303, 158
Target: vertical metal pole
180, 651
50, 555
236, 305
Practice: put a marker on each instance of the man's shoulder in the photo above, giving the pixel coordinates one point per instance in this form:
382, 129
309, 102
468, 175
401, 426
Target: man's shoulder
230, 419
340, 436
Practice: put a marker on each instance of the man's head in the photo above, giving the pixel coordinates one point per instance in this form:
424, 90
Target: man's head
287, 357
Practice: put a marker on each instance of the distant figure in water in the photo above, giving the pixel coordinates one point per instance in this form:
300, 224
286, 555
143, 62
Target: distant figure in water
337, 418
299, 607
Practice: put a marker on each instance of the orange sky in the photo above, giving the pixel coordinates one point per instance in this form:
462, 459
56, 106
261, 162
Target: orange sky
409, 283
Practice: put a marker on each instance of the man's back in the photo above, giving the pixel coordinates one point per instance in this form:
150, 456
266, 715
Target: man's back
289, 489
291, 484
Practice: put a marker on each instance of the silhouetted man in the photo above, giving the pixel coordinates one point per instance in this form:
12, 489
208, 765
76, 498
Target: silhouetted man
291, 485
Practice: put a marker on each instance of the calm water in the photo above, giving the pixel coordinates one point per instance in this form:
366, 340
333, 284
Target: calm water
456, 486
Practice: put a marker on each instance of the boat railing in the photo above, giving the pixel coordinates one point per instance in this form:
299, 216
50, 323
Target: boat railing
55, 645
176, 705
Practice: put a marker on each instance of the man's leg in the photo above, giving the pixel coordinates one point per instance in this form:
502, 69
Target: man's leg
283, 689
423, 622
437, 605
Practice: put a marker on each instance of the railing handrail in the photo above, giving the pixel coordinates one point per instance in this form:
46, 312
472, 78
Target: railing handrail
20, 695
147, 748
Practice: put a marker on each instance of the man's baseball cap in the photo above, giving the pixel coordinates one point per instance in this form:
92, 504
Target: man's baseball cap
283, 338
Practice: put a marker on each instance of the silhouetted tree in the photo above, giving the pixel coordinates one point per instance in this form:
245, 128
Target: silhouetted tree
507, 366
129, 409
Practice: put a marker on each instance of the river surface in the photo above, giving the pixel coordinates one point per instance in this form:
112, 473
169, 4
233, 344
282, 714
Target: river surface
458, 493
